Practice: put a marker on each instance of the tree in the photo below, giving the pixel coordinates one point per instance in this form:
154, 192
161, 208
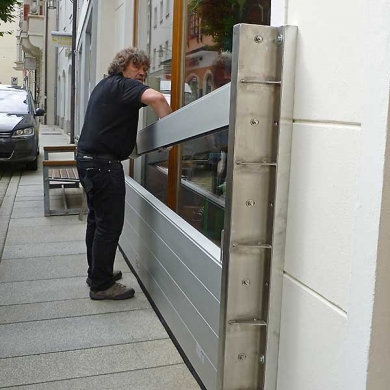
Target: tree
7, 13
219, 16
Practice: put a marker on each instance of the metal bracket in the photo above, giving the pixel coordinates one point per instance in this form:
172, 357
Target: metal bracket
254, 322
267, 82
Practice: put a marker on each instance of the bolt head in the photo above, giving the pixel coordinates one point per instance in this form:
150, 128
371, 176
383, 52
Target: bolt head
262, 359
258, 39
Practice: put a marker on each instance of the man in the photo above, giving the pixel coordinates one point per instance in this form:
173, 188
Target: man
108, 137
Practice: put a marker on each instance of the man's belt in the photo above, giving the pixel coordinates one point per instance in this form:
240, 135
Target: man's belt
97, 156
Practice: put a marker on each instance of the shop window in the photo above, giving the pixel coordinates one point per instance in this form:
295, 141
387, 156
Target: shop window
208, 67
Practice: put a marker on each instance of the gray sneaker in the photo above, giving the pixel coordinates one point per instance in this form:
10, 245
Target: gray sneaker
116, 292
116, 276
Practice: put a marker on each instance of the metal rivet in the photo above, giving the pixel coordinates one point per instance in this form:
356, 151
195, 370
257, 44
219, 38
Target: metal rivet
276, 123
250, 203
254, 122
258, 39
241, 357
279, 39
262, 359
246, 282
234, 245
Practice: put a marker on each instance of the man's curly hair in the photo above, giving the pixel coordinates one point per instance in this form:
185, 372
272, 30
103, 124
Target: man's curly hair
125, 56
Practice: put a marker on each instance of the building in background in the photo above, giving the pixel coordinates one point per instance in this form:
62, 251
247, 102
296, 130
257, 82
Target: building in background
35, 57
8, 53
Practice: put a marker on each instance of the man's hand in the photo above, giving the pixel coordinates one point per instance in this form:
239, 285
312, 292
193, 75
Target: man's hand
165, 149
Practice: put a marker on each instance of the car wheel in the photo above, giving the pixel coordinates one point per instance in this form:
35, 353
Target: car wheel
33, 165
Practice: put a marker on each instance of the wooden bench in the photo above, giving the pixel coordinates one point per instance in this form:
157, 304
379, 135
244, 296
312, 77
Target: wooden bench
61, 174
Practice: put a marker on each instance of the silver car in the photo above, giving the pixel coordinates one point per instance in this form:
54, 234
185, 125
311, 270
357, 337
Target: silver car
19, 127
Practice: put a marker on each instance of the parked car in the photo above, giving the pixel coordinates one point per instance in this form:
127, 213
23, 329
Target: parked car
19, 127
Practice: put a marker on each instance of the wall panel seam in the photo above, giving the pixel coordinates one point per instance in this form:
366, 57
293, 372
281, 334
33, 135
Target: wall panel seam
320, 122
316, 294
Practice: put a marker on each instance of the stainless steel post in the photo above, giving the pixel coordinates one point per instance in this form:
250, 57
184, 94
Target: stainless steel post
256, 205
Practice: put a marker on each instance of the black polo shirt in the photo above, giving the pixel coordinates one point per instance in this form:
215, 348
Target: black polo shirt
111, 120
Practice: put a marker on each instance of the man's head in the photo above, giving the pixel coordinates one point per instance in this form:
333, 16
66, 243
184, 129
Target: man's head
222, 69
132, 63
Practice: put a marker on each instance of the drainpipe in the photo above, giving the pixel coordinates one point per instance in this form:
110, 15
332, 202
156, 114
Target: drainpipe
73, 81
46, 56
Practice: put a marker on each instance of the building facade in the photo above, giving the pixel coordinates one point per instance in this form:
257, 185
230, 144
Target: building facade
8, 50
334, 314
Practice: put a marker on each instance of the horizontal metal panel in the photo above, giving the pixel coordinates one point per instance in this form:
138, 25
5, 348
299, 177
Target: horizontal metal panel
189, 284
186, 340
194, 322
186, 123
181, 270
198, 253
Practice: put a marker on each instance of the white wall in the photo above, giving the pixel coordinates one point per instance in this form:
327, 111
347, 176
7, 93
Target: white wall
104, 28
8, 54
323, 191
368, 342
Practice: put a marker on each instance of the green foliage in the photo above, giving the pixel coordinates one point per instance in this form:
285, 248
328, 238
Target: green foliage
7, 13
219, 16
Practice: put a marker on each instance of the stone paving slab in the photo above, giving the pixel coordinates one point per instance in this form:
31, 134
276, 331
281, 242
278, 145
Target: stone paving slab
29, 198
28, 213
25, 199
27, 204
174, 377
52, 290
45, 234
46, 221
72, 333
32, 179
126, 365
44, 249
31, 190
13, 270
68, 308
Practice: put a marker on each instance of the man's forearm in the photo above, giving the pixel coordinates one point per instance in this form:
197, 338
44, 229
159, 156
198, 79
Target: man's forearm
162, 109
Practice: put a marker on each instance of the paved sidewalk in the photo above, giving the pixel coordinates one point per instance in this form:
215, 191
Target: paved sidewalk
52, 336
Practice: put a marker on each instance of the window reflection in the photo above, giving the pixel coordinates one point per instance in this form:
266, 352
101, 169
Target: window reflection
208, 63
155, 36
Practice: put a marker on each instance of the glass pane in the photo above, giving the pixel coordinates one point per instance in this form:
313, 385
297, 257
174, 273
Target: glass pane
155, 37
13, 101
208, 67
